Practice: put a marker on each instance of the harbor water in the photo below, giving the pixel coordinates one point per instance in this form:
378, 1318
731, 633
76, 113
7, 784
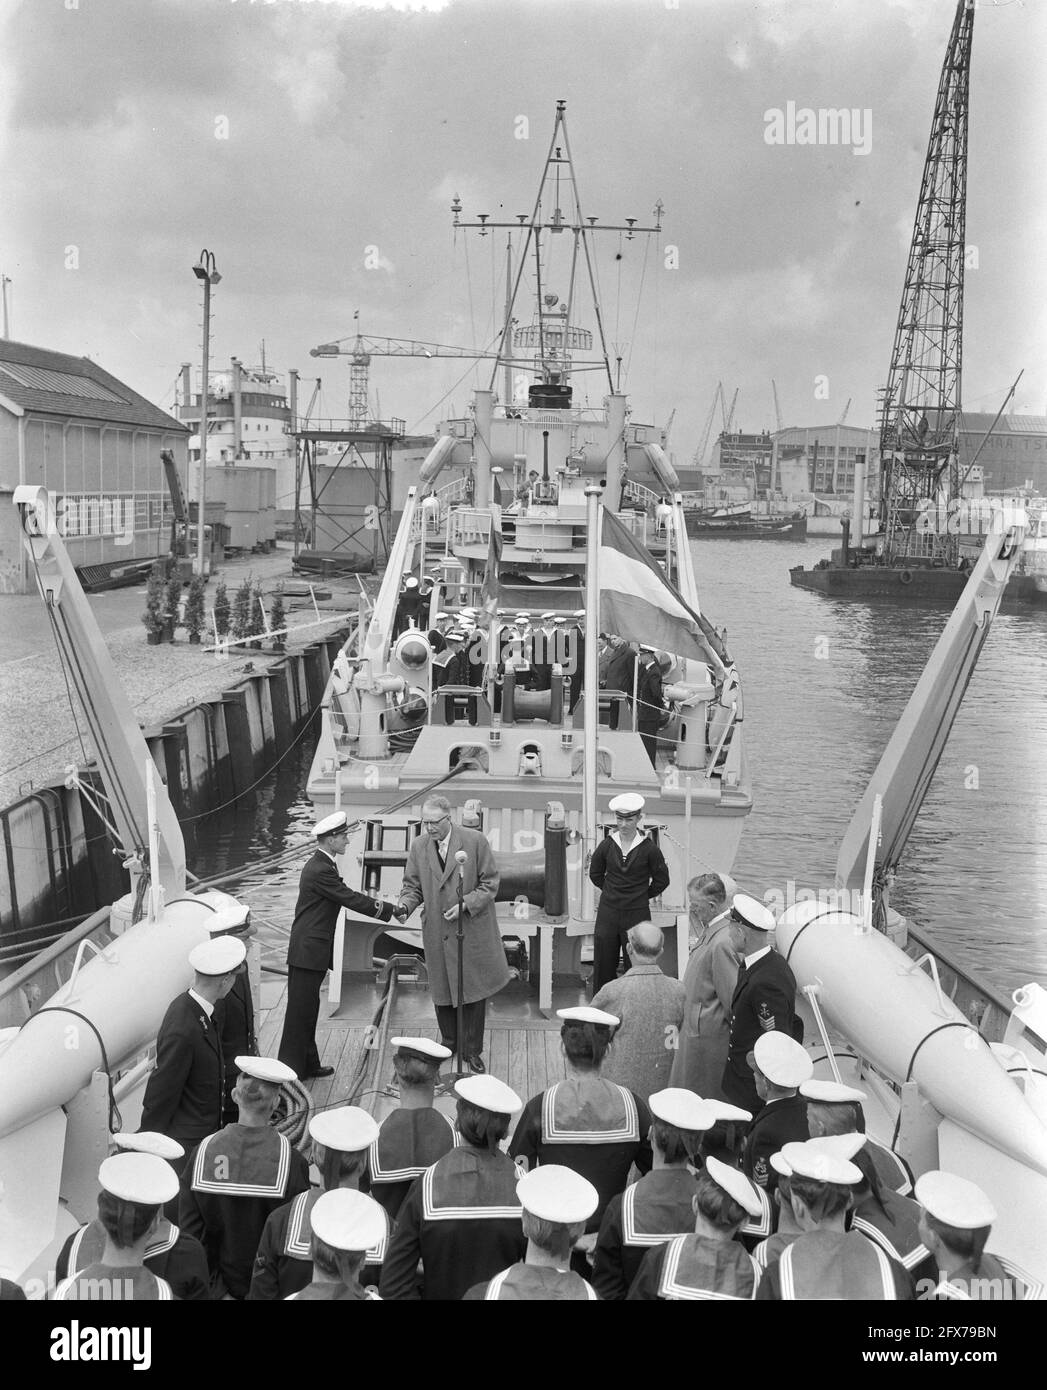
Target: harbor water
825, 681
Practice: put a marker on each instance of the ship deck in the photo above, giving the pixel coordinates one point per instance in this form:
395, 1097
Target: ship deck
521, 1044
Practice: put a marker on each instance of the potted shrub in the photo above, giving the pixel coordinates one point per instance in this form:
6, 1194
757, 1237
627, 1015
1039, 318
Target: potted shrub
153, 617
278, 619
256, 623
194, 609
223, 613
173, 599
242, 611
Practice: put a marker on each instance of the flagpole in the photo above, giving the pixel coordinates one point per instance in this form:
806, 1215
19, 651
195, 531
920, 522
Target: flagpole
591, 697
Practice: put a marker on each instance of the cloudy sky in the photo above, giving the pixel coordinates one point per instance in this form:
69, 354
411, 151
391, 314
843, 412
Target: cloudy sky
290, 137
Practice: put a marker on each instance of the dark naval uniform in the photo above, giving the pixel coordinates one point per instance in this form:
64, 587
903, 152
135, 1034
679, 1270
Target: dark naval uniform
310, 952
627, 884
896, 1232
284, 1263
114, 1283
234, 1019
171, 1255
183, 1096
524, 1283
593, 1126
461, 1218
763, 1001
891, 1168
234, 1181
996, 1278
834, 1266
694, 1267
409, 1142
648, 1213
780, 1122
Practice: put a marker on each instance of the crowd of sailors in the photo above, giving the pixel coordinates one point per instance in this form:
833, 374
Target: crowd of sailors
759, 1186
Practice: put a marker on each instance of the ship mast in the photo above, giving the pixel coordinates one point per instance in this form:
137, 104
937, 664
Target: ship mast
920, 409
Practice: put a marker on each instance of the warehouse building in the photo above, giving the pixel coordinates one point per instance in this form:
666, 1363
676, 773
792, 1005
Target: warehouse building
95, 444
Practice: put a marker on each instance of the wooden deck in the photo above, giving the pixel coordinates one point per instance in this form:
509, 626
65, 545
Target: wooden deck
521, 1045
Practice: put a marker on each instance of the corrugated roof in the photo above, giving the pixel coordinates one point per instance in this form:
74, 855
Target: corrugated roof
974, 421
55, 383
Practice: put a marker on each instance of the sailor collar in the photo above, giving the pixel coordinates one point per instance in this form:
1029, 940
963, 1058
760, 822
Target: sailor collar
750, 961
631, 1232
164, 1240
434, 1211
298, 1241
640, 837
252, 1183
623, 1121
879, 1236
494, 1288
670, 1285
380, 1174
787, 1275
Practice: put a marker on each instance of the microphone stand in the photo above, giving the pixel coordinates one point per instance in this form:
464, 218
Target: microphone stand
461, 970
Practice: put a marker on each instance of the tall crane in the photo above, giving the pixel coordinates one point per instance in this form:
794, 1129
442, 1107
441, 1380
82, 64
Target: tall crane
360, 351
703, 445
920, 409
777, 407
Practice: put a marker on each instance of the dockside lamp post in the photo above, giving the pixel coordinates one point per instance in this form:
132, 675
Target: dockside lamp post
204, 270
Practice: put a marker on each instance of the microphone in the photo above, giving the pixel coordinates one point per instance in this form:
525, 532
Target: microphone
460, 858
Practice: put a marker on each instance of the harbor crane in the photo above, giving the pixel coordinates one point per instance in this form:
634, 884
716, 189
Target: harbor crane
703, 445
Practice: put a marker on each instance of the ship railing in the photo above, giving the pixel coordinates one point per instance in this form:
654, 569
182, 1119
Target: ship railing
32, 984
639, 492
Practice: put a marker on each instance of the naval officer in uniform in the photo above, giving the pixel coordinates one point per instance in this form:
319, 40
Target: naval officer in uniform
779, 1066
415, 1136
135, 1187
310, 951
341, 1138
184, 1093
763, 1000
629, 869
557, 1202
461, 1218
236, 1178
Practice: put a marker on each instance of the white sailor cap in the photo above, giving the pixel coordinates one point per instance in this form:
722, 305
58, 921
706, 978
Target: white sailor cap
585, 1013
843, 1145
554, 1193
410, 582
813, 1159
628, 803
231, 919
830, 1092
218, 956
336, 821
454, 634
425, 1046
548, 617
468, 612
138, 1177
488, 1093
440, 617
682, 1109
266, 1069
735, 1184
751, 912
148, 1142
954, 1200
523, 617
347, 1129
579, 613
781, 1059
347, 1220
560, 617
726, 1111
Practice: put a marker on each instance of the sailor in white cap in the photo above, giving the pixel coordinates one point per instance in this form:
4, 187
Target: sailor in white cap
709, 981
723, 1141
310, 950
833, 1108
170, 1253
234, 1012
453, 666
461, 1218
884, 1216
660, 1205
438, 632
413, 1137
629, 869
594, 1126
408, 606
764, 997
650, 698
711, 1263
340, 1140
557, 1202
184, 1093
779, 1065
828, 1262
957, 1221
346, 1224
135, 1187
236, 1178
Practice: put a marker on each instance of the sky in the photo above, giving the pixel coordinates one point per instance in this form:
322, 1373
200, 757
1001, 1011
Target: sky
315, 149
